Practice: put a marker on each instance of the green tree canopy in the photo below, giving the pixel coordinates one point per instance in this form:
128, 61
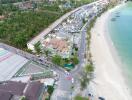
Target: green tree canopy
18, 27
89, 68
37, 47
50, 89
78, 97
56, 59
75, 60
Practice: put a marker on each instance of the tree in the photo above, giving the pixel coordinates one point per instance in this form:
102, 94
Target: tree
29, 50
76, 48
56, 59
50, 89
84, 80
84, 21
89, 68
75, 60
86, 76
37, 47
46, 52
23, 98
78, 97
18, 27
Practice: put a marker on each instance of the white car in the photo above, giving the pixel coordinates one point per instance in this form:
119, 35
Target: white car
72, 80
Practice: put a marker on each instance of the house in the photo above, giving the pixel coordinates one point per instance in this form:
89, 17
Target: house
26, 5
5, 95
57, 46
34, 91
10, 90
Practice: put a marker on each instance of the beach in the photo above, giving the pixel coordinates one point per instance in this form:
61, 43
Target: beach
109, 81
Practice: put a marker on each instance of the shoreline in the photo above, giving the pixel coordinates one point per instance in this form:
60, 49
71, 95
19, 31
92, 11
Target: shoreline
109, 78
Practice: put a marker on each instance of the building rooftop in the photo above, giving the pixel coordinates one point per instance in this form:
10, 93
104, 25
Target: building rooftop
15, 88
11, 89
10, 63
58, 44
33, 90
5, 95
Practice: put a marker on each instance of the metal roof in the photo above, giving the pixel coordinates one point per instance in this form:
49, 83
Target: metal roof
15, 88
10, 63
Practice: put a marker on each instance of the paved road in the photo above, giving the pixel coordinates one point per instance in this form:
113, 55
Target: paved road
82, 49
32, 57
55, 24
64, 91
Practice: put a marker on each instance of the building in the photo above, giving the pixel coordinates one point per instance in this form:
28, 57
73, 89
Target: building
10, 63
42, 34
60, 37
11, 90
57, 46
25, 5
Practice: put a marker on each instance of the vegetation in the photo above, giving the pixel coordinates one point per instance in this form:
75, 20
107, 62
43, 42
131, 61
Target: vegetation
89, 68
6, 9
80, 98
23, 98
112, 4
20, 26
46, 52
11, 1
89, 34
78, 3
51, 7
75, 60
58, 60
50, 91
86, 75
37, 47
84, 81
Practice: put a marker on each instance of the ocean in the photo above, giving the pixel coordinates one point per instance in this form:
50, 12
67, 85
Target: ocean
120, 31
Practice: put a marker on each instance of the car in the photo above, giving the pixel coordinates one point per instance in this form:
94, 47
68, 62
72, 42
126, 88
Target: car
56, 83
40, 60
89, 94
101, 98
67, 73
57, 78
72, 80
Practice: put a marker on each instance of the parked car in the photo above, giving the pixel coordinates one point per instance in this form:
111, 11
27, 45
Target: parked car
101, 98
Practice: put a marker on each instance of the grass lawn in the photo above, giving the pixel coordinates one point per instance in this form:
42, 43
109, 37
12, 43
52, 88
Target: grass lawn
80, 98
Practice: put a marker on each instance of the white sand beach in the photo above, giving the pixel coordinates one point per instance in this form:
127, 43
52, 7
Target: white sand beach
109, 79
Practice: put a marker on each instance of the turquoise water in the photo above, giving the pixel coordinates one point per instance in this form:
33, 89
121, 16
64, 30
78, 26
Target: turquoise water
120, 29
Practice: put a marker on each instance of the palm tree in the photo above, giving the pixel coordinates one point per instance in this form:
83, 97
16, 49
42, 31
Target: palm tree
89, 68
